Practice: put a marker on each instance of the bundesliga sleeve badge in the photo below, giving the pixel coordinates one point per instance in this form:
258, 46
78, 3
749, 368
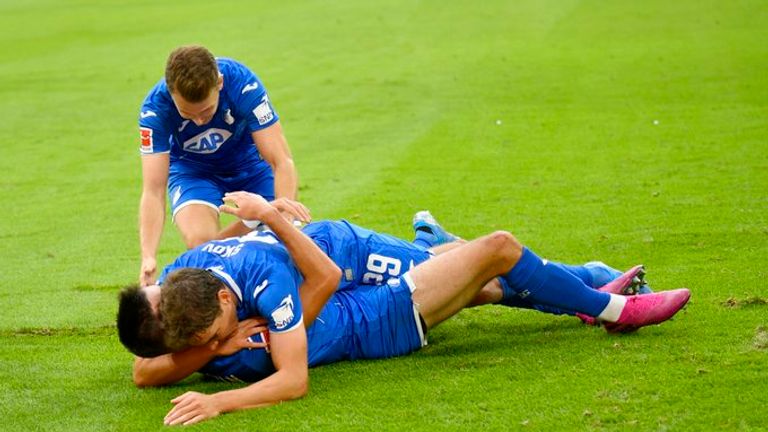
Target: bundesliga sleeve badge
146, 140
263, 112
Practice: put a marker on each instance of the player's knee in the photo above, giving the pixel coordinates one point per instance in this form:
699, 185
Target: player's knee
196, 239
506, 246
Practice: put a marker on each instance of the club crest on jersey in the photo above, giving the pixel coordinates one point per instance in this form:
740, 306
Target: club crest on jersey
146, 139
207, 142
283, 315
263, 112
228, 117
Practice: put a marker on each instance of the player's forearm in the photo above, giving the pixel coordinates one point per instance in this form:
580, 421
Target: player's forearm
170, 368
321, 274
282, 385
286, 178
312, 262
151, 221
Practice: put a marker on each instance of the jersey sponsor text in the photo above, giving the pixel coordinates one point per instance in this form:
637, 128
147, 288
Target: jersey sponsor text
207, 142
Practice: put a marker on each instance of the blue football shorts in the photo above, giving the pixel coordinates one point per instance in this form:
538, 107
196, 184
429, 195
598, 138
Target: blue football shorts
186, 187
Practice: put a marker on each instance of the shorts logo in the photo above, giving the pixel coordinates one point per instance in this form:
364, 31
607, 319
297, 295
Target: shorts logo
146, 139
263, 112
283, 315
176, 195
207, 142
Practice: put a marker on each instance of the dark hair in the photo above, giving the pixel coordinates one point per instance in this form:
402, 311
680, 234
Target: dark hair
139, 330
191, 71
189, 305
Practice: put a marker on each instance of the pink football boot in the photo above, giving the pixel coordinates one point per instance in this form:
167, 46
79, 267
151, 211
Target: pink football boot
646, 309
627, 284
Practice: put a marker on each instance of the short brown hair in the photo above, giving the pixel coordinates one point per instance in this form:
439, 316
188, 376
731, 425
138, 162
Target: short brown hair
189, 305
191, 71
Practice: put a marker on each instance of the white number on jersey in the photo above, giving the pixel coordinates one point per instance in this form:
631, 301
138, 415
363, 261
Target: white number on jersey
378, 266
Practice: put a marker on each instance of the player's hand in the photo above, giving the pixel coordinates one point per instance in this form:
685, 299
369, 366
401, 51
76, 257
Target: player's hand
240, 338
250, 206
292, 210
246, 206
191, 407
147, 275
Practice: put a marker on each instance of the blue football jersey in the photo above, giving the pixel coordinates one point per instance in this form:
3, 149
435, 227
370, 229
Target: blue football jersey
222, 145
365, 323
365, 257
258, 270
362, 320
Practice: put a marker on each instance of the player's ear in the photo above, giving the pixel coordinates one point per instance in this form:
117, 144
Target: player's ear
224, 296
220, 82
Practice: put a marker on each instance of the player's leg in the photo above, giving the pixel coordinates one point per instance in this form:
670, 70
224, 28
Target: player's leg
194, 207
432, 235
464, 277
445, 284
198, 223
257, 179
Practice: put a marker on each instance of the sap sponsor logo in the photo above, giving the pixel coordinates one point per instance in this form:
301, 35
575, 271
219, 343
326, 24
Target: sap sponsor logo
146, 140
225, 251
283, 315
207, 142
250, 87
228, 117
145, 114
263, 112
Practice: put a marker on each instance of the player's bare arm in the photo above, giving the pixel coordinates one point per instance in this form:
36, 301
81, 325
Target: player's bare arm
170, 368
273, 147
152, 212
290, 381
321, 275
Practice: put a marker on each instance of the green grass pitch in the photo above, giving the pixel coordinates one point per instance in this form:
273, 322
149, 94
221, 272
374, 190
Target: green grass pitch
621, 130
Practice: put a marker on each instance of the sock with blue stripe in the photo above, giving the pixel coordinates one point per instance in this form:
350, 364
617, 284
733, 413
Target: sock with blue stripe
544, 284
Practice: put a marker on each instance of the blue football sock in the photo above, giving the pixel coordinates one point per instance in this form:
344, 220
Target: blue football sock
549, 285
580, 272
510, 298
601, 273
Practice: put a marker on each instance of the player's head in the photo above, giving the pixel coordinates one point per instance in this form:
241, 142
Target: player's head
196, 309
194, 82
138, 326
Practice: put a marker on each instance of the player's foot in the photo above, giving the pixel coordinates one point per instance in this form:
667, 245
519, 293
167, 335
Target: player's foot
627, 284
428, 230
587, 320
646, 309
602, 274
